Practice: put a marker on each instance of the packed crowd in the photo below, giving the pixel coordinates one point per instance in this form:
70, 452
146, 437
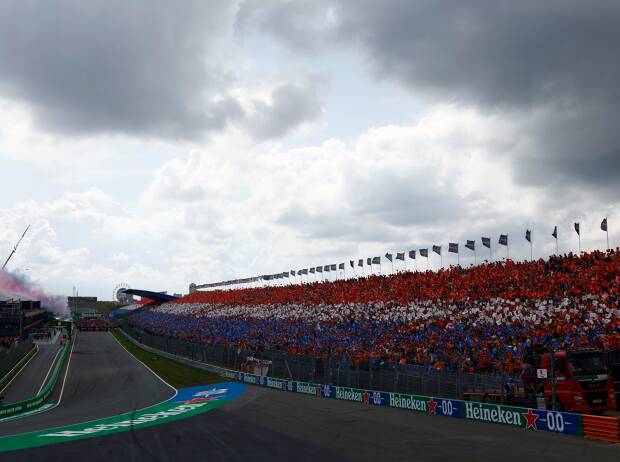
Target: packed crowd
481, 319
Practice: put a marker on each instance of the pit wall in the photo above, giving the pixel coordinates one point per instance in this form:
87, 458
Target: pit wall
31, 404
593, 427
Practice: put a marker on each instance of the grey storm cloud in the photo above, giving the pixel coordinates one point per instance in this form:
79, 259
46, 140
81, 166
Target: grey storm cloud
291, 105
515, 58
145, 68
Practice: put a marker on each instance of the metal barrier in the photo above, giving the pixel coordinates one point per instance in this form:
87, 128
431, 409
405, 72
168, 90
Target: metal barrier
332, 371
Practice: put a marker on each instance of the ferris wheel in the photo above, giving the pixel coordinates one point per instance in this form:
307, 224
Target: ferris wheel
119, 294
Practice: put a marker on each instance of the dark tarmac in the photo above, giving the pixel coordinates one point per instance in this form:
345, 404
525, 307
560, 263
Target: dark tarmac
270, 425
30, 379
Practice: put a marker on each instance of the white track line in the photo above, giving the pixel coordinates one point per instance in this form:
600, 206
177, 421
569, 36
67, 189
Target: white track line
152, 372
48, 371
67, 370
22, 368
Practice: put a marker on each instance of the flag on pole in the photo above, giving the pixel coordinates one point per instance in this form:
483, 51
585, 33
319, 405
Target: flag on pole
471, 245
555, 232
423, 252
412, 254
577, 229
369, 261
311, 270
528, 236
388, 256
503, 239
453, 247
360, 262
486, 241
376, 261
400, 256
293, 273
326, 268
333, 267
341, 266
437, 249
604, 224
285, 274
319, 269
352, 263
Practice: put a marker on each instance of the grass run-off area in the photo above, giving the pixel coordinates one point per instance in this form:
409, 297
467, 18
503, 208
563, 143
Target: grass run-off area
175, 373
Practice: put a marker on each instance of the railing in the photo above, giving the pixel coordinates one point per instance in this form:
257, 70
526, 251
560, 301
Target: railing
396, 378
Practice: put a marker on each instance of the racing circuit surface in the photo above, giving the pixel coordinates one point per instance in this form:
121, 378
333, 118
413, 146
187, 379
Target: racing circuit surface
269, 425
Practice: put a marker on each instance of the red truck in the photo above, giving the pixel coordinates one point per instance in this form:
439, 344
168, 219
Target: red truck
583, 381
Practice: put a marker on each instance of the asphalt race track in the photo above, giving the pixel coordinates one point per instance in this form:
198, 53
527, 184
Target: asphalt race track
31, 378
270, 425
103, 380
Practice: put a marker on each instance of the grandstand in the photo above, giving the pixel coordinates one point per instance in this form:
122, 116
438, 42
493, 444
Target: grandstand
479, 319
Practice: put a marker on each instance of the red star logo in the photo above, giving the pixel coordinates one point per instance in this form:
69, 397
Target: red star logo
531, 419
366, 397
432, 407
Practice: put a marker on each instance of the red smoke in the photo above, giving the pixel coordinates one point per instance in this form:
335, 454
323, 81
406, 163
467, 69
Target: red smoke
15, 284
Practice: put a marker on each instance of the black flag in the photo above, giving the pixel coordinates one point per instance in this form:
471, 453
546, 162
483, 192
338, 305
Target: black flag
471, 245
341, 266
400, 256
311, 270
503, 239
319, 269
352, 263
360, 262
388, 256
555, 232
369, 261
453, 247
604, 224
333, 267
486, 241
326, 268
577, 228
424, 252
293, 272
285, 275
528, 235
437, 249
412, 254
376, 261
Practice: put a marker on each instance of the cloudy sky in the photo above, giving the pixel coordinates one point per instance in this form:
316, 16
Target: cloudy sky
160, 143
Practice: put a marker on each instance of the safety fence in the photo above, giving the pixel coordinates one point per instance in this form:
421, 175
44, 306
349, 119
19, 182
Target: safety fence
31, 404
330, 370
594, 427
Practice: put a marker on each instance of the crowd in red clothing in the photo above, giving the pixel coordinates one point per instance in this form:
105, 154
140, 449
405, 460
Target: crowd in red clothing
481, 318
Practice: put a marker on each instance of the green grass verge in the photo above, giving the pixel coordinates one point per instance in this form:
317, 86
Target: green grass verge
175, 373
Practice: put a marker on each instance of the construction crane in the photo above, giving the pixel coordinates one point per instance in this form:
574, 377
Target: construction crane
14, 249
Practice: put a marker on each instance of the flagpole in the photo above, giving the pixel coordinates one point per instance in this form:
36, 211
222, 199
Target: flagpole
607, 232
557, 249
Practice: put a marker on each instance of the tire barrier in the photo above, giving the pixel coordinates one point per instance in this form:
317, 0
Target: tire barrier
31, 404
598, 427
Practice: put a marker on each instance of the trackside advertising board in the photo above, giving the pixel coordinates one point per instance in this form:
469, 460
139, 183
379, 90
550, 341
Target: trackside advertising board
526, 418
186, 403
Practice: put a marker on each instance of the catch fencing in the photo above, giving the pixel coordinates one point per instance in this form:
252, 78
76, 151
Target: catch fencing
331, 371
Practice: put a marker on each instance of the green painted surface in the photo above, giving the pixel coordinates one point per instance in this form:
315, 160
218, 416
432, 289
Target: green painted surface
147, 417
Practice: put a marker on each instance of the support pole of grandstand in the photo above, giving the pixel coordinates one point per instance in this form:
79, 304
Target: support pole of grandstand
553, 379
